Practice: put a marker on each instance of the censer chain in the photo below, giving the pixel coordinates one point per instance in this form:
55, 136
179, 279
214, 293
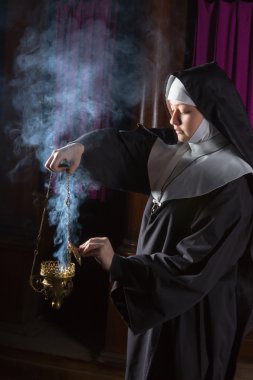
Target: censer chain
71, 247
38, 239
68, 202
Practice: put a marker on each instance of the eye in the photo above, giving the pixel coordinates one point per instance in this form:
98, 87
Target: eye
185, 112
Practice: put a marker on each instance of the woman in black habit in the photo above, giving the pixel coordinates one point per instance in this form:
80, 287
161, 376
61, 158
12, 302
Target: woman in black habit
187, 295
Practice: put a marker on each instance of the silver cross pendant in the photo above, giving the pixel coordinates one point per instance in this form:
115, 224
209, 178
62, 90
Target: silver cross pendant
156, 205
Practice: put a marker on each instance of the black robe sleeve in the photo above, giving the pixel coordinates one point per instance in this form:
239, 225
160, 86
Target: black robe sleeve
118, 159
159, 286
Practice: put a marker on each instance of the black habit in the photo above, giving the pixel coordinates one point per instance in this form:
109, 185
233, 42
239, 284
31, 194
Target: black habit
187, 295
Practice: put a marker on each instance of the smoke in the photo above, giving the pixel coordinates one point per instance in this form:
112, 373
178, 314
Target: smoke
58, 212
65, 82
59, 95
48, 99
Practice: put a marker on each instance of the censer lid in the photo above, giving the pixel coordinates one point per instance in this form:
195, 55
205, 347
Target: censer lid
55, 269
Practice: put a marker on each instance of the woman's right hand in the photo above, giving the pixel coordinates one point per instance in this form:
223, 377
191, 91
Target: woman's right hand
70, 154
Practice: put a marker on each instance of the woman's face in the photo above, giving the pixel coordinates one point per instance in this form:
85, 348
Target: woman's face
185, 119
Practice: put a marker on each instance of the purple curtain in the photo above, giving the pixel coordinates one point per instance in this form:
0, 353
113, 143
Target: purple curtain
224, 33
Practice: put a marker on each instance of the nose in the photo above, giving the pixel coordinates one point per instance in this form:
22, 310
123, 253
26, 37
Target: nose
175, 118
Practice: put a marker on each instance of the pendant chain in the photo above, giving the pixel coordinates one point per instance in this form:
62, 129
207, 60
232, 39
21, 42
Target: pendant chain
68, 203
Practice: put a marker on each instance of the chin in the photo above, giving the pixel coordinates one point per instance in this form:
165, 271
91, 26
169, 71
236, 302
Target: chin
182, 138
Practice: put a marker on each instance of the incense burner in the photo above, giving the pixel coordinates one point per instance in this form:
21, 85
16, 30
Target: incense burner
56, 281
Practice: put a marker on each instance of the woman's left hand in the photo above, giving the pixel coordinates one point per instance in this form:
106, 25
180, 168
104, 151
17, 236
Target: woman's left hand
100, 248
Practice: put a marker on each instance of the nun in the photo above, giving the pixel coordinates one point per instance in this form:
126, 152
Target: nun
187, 294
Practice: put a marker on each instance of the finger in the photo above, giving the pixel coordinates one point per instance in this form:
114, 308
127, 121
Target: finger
51, 160
74, 166
98, 259
90, 247
88, 254
99, 240
56, 162
48, 162
94, 240
94, 254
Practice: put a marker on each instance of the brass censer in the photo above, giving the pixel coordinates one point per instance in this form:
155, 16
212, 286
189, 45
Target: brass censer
55, 279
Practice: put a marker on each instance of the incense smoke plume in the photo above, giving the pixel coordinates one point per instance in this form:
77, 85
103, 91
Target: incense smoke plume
57, 94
